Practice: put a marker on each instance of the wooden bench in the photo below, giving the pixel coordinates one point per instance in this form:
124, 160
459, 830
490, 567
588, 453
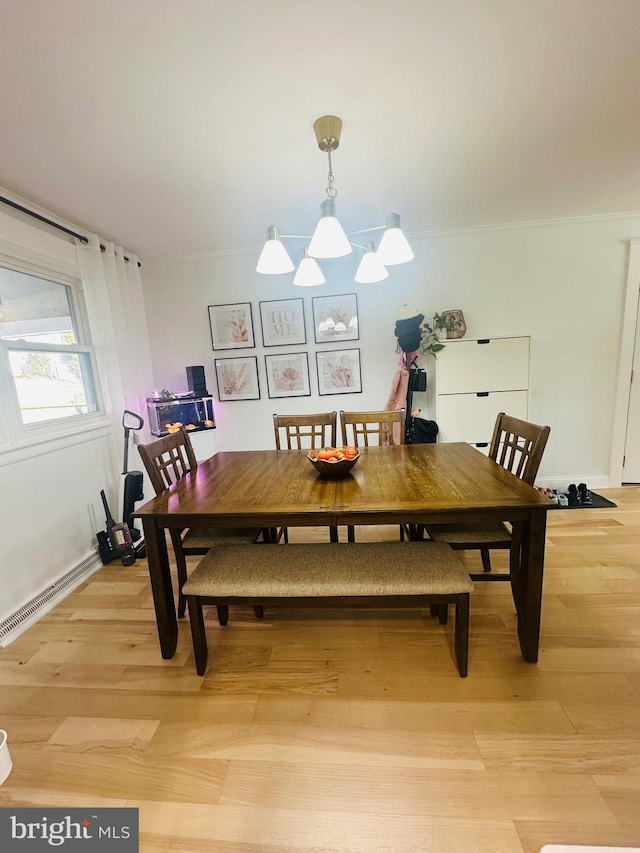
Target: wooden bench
412, 574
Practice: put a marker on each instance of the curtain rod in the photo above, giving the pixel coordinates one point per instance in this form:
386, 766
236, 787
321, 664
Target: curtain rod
35, 215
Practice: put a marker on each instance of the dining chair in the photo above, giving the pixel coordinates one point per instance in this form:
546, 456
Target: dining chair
168, 460
366, 429
518, 446
363, 429
310, 432
305, 432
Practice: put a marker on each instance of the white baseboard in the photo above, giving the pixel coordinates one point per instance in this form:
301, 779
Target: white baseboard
561, 484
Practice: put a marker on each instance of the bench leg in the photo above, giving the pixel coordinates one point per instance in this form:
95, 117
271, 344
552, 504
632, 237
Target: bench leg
462, 633
258, 609
223, 614
198, 635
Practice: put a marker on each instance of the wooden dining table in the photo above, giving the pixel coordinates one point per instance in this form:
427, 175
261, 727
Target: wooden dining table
407, 484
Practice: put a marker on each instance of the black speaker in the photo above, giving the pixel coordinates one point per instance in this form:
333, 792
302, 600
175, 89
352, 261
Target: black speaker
197, 382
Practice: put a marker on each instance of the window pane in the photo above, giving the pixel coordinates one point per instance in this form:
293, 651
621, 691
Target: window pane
52, 384
34, 309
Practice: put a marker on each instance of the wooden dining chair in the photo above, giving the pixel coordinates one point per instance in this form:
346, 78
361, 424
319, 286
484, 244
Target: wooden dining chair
305, 432
168, 460
363, 429
518, 446
366, 429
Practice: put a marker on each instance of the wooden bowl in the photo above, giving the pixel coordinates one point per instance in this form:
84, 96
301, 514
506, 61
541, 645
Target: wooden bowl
333, 470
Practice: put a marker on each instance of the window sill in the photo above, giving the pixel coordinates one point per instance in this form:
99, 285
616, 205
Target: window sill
55, 437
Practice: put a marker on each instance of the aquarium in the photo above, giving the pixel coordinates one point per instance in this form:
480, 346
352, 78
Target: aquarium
184, 411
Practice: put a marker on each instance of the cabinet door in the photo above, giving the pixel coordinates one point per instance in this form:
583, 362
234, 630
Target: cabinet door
469, 418
501, 364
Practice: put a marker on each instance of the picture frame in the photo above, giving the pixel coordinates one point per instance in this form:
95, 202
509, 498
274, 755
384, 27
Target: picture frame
288, 375
339, 372
335, 318
231, 326
282, 322
237, 378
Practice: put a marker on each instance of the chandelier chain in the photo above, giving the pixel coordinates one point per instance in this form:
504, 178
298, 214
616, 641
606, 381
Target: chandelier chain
332, 192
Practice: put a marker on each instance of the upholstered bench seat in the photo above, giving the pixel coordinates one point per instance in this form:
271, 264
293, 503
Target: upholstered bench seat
415, 574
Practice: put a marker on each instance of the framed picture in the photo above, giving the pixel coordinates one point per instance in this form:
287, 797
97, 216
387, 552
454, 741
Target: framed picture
335, 318
288, 375
237, 378
231, 326
282, 322
339, 371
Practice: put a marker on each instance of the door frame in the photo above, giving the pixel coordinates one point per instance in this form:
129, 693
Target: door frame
625, 365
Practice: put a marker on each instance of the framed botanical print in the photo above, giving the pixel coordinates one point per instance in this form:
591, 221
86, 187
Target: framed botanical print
335, 318
237, 378
282, 322
231, 326
288, 375
339, 371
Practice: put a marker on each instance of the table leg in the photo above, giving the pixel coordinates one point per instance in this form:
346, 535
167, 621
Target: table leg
527, 585
161, 587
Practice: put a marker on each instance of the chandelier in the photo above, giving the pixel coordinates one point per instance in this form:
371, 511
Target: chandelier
329, 239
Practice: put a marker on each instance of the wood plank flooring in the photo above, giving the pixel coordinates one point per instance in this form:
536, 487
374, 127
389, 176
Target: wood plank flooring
346, 731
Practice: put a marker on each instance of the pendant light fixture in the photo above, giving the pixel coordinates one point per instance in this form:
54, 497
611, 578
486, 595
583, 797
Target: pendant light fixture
329, 239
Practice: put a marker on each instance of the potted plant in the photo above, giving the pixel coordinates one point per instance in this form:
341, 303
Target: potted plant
432, 333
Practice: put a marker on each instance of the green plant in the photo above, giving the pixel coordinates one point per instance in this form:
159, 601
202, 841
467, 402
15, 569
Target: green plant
431, 334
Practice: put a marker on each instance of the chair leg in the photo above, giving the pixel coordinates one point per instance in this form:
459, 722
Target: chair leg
486, 559
223, 614
258, 609
181, 566
462, 634
351, 533
198, 635
333, 534
443, 613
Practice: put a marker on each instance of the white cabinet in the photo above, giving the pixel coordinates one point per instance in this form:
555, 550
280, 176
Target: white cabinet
473, 381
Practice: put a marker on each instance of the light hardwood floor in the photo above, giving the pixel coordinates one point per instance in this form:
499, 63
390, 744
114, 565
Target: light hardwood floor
346, 731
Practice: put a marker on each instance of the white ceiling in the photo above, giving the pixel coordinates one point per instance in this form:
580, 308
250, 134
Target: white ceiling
177, 127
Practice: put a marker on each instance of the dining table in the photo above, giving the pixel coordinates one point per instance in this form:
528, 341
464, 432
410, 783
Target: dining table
412, 485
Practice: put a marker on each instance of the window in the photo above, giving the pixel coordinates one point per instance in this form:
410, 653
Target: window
46, 365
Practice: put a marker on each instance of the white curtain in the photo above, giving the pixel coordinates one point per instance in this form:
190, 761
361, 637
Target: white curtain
115, 307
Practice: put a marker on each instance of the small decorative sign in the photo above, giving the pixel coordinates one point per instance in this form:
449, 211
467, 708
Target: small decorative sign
282, 322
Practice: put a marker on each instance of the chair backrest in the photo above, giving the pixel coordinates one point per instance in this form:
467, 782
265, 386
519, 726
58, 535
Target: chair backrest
359, 428
305, 431
168, 459
518, 446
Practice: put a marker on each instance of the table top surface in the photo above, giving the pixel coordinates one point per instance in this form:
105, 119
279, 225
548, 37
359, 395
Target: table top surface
437, 481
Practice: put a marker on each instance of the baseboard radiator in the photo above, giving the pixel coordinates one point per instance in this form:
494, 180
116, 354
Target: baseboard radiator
33, 610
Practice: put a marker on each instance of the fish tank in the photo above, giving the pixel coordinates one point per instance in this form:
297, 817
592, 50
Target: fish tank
183, 411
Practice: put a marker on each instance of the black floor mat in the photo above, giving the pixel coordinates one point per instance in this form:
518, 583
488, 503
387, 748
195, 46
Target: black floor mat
597, 502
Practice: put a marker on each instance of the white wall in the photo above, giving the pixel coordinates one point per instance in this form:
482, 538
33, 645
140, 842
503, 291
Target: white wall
561, 283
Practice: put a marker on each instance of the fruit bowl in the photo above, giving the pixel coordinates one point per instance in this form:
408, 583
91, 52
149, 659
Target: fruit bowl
332, 469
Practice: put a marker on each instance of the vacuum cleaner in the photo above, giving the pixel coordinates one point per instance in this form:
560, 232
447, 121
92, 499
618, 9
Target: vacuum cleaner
123, 540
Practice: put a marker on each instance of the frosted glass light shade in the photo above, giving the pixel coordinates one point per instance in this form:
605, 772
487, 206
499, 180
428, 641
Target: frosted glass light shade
308, 273
371, 267
394, 247
274, 259
329, 239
